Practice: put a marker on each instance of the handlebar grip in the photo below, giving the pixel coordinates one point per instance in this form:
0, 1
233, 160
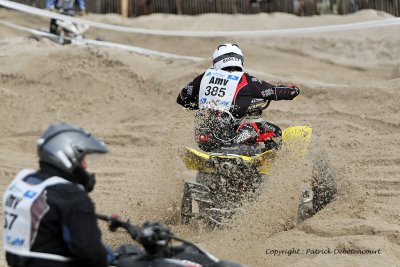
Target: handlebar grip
114, 223
103, 217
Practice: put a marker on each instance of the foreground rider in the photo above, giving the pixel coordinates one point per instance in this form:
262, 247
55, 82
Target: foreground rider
49, 217
227, 87
66, 7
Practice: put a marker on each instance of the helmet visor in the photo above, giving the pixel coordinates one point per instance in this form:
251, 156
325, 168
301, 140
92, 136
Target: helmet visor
89, 144
228, 55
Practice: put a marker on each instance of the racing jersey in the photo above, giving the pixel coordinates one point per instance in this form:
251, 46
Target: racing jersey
65, 4
24, 205
50, 222
230, 90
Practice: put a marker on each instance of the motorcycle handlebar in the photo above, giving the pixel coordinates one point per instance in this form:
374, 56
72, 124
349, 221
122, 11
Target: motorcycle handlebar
115, 222
103, 217
259, 103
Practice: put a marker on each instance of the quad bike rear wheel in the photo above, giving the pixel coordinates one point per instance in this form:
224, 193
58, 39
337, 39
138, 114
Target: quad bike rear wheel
195, 201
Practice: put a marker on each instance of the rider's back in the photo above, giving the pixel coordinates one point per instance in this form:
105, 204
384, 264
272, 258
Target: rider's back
68, 206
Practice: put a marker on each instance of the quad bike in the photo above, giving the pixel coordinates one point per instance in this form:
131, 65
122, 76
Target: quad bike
67, 32
157, 248
230, 173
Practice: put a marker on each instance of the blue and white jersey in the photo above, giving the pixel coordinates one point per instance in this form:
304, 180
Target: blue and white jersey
24, 206
218, 89
66, 4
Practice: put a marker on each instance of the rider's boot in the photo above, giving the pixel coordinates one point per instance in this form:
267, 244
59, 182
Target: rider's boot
246, 133
274, 141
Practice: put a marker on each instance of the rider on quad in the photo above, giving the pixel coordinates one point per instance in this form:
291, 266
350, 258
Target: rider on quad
65, 7
49, 217
227, 88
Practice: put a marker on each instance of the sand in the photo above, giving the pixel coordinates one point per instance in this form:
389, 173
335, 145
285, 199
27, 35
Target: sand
350, 96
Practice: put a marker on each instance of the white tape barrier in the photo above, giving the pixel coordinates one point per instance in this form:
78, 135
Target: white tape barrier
140, 50
85, 41
21, 28
319, 29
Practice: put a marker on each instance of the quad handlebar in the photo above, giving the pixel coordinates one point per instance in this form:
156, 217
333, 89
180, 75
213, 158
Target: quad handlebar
153, 236
115, 223
257, 106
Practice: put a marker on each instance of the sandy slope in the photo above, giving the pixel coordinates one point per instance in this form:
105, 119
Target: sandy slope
351, 87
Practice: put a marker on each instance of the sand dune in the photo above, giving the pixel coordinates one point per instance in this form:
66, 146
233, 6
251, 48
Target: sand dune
350, 89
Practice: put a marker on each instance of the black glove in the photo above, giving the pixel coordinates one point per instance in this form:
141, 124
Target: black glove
153, 235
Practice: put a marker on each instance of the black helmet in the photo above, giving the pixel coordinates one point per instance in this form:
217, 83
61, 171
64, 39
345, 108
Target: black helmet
64, 146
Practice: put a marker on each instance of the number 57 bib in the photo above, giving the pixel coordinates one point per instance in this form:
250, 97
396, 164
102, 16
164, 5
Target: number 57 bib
24, 205
218, 88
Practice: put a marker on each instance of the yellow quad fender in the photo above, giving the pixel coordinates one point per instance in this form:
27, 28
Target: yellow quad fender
296, 137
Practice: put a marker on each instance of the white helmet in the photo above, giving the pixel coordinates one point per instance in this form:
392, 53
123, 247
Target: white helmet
228, 55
